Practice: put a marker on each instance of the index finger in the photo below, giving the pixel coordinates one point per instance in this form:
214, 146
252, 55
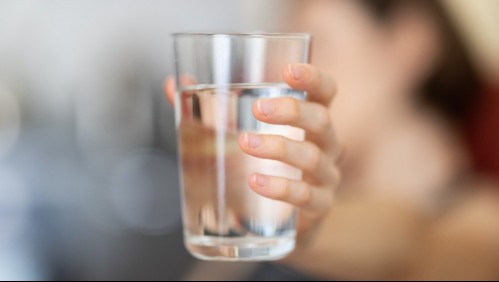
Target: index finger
319, 86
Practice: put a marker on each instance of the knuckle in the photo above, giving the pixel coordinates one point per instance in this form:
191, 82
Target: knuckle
280, 147
304, 197
314, 157
323, 122
292, 107
283, 188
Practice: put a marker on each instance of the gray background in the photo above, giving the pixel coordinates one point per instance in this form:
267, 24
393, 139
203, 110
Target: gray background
88, 176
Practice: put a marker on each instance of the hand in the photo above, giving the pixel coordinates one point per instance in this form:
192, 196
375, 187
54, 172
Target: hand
316, 157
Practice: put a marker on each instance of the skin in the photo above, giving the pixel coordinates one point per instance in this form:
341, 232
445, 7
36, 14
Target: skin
316, 157
389, 219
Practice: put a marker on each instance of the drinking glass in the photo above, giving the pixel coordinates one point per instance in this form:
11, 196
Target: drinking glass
218, 78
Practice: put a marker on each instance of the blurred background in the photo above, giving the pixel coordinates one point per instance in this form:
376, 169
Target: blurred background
88, 173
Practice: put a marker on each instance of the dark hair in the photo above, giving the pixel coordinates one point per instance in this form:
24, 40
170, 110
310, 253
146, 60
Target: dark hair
453, 87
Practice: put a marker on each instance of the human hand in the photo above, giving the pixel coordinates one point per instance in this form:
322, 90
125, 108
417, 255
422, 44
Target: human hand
317, 156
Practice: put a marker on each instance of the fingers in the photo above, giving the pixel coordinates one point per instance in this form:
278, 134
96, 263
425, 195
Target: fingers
297, 193
312, 117
170, 90
319, 86
304, 155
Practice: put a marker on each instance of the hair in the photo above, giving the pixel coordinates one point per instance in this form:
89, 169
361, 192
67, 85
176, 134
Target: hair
453, 87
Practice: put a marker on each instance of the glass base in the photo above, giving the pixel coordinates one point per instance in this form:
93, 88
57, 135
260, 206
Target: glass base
239, 249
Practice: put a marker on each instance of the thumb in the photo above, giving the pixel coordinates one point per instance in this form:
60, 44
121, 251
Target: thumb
170, 90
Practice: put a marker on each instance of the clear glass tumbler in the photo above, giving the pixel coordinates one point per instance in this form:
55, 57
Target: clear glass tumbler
218, 78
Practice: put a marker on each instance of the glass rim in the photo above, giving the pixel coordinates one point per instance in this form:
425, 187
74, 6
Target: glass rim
270, 35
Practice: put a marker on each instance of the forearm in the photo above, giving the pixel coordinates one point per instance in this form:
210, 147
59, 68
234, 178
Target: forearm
462, 245
361, 239
382, 240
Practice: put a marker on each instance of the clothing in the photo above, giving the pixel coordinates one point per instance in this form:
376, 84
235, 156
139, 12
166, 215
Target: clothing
483, 133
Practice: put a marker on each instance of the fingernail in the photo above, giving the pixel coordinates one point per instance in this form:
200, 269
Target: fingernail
252, 140
295, 71
265, 106
261, 180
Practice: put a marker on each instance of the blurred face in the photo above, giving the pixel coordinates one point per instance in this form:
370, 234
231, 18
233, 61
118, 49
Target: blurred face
375, 65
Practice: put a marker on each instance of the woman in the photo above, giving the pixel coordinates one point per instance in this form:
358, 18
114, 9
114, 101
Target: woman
401, 84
